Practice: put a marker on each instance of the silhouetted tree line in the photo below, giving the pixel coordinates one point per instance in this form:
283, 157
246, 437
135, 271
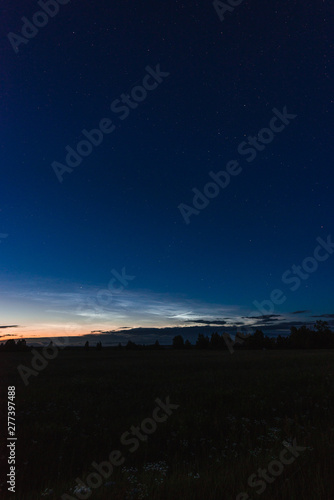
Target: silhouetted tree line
319, 337
98, 346
133, 346
11, 345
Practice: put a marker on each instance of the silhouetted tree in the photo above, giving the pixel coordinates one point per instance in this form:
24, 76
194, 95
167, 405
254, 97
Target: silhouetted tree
300, 338
21, 345
217, 341
202, 342
131, 345
10, 345
321, 326
268, 343
282, 342
178, 342
322, 336
187, 344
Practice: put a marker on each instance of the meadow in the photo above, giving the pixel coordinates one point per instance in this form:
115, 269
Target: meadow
236, 414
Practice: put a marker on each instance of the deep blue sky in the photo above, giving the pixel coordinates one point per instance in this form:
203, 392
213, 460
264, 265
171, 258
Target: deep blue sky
119, 207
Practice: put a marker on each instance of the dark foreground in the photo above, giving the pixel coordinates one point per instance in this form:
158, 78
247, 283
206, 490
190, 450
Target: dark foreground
255, 424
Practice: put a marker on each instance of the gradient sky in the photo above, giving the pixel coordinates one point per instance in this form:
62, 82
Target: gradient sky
61, 242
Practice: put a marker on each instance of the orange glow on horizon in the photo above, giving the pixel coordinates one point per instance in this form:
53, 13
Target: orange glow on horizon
54, 331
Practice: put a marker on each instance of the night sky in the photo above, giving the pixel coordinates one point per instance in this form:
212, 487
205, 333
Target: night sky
126, 239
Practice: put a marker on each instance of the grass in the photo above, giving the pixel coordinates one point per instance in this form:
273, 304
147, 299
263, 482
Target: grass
234, 413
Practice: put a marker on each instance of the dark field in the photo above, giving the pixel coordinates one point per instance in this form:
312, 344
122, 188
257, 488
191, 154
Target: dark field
235, 412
